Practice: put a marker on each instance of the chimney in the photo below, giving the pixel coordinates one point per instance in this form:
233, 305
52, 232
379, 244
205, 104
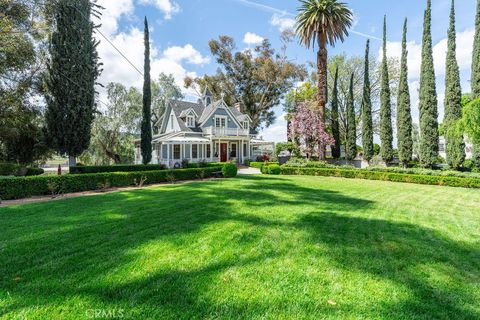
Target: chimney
238, 106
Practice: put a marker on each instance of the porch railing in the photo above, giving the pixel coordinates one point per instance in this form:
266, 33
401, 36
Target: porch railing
226, 132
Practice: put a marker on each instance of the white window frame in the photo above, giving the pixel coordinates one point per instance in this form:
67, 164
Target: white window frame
190, 121
196, 151
220, 118
246, 125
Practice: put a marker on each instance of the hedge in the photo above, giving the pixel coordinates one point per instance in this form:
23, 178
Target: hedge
259, 165
12, 169
384, 176
17, 188
116, 168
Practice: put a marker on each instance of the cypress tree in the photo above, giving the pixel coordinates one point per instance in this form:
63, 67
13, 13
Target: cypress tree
367, 122
404, 116
428, 98
72, 71
455, 145
386, 131
476, 57
146, 139
351, 147
336, 149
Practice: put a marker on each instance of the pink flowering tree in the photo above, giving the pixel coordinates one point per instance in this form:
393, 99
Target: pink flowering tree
309, 131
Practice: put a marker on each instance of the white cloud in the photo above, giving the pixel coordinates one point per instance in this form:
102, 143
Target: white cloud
277, 132
252, 38
168, 7
282, 22
187, 52
113, 11
464, 53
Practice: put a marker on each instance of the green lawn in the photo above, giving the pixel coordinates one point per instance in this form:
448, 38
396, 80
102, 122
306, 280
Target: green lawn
254, 247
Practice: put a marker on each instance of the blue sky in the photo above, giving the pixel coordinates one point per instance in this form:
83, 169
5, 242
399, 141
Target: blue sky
181, 30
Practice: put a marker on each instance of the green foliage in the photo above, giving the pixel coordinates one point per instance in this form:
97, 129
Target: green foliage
17, 188
11, 169
229, 170
455, 146
273, 169
336, 149
286, 146
367, 120
384, 176
429, 139
146, 129
259, 165
258, 78
386, 131
470, 122
351, 147
404, 115
72, 72
475, 81
118, 168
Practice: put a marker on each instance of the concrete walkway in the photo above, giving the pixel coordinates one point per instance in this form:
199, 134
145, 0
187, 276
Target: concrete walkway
248, 171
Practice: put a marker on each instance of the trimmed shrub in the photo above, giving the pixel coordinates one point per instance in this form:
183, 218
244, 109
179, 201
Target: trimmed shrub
34, 172
11, 169
229, 170
8, 169
17, 188
119, 168
385, 176
259, 165
271, 169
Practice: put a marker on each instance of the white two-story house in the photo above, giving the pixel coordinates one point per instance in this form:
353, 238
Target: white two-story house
207, 131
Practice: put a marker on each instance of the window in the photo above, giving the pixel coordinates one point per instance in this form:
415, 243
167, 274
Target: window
194, 151
171, 122
176, 152
244, 149
245, 125
220, 122
233, 152
190, 121
208, 101
209, 151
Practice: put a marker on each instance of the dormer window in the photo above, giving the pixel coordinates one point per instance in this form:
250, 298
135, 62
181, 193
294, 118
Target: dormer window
190, 121
245, 125
208, 101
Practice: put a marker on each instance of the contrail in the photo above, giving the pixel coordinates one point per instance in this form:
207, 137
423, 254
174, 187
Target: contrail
270, 9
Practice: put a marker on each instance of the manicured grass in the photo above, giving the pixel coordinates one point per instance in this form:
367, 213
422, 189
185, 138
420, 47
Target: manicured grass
258, 247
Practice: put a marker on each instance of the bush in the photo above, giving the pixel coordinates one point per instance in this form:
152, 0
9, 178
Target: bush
34, 172
259, 165
385, 176
229, 170
8, 169
271, 169
17, 188
11, 169
119, 168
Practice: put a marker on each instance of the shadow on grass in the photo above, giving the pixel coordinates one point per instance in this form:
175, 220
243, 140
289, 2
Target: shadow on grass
78, 242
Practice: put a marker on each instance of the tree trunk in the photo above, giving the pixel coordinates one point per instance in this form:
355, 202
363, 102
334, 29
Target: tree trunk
72, 161
322, 57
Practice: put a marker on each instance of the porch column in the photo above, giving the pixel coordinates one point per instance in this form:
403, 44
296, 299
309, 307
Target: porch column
168, 155
240, 149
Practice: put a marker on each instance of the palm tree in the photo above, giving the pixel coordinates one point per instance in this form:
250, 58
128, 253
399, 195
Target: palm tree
324, 22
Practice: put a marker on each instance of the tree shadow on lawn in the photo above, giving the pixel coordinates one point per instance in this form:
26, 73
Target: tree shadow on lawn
91, 238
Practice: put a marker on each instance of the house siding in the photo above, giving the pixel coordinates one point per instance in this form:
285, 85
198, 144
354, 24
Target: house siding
231, 124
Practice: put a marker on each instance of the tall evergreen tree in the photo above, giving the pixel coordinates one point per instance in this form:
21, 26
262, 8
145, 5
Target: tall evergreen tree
404, 115
351, 146
367, 121
72, 72
476, 56
146, 133
475, 81
386, 131
455, 145
429, 139
336, 149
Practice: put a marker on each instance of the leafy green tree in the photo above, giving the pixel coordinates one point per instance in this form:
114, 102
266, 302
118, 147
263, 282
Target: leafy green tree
336, 149
455, 146
323, 22
114, 129
164, 89
258, 78
386, 131
72, 72
429, 139
475, 81
146, 132
351, 146
404, 115
367, 121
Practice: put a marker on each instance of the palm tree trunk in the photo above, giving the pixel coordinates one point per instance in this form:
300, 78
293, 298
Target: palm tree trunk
322, 57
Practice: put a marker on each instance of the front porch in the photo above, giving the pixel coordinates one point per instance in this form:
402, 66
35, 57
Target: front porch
199, 149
